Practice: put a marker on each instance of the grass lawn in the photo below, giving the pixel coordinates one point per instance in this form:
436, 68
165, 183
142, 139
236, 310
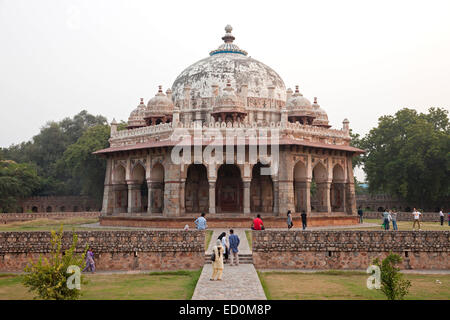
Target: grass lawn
48, 224
347, 285
407, 225
177, 285
248, 233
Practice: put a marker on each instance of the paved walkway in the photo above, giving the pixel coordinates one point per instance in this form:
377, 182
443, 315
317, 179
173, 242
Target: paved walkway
244, 248
238, 283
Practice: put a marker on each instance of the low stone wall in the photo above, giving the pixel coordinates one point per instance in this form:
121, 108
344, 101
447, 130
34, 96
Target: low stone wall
349, 249
407, 216
222, 222
12, 217
114, 250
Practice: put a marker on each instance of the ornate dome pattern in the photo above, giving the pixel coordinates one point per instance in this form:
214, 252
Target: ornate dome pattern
229, 62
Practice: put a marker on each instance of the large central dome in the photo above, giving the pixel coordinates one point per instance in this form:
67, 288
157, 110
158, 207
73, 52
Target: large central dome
229, 62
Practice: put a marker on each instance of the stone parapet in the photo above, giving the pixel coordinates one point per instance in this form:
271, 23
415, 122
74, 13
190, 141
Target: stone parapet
114, 250
349, 249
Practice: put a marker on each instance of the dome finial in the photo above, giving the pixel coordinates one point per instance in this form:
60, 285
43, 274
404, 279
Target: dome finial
228, 37
142, 100
159, 88
315, 100
296, 89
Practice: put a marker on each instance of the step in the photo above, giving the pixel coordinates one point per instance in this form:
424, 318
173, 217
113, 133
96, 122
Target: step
243, 258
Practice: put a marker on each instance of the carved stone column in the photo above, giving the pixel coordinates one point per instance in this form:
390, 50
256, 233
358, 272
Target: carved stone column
149, 200
276, 208
212, 196
246, 197
134, 197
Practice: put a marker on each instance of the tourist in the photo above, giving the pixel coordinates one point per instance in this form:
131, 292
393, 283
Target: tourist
186, 227
258, 223
360, 213
217, 264
441, 216
416, 215
223, 239
90, 263
448, 216
234, 241
201, 222
290, 224
386, 219
303, 215
394, 220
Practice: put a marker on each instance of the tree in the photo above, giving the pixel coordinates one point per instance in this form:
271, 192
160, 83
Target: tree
408, 155
48, 277
16, 181
89, 168
47, 149
392, 283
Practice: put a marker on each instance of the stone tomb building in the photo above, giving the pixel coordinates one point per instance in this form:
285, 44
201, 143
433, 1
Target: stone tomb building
231, 94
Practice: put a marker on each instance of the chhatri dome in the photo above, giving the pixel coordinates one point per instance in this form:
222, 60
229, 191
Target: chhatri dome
229, 62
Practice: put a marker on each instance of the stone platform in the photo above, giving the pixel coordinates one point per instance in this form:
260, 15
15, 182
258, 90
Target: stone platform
225, 221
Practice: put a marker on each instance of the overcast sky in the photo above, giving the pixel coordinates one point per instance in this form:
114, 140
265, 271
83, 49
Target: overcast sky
362, 59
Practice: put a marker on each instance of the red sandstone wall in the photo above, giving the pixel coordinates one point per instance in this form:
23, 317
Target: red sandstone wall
349, 249
114, 250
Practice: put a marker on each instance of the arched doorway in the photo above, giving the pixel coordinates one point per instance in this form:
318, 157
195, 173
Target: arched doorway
137, 189
261, 191
300, 187
229, 189
120, 190
157, 188
337, 189
319, 188
196, 189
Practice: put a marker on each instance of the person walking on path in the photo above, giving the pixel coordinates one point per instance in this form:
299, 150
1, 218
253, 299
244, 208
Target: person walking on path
217, 264
201, 222
223, 239
303, 215
386, 219
441, 215
448, 216
416, 215
258, 223
234, 241
360, 214
90, 263
290, 224
394, 220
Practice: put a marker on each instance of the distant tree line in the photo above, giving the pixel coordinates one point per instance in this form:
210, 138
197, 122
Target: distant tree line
408, 156
58, 161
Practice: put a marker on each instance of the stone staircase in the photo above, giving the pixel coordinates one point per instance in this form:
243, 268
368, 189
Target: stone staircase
243, 259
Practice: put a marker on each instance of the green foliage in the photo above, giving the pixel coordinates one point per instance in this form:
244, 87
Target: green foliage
392, 283
16, 180
89, 168
46, 151
48, 277
408, 155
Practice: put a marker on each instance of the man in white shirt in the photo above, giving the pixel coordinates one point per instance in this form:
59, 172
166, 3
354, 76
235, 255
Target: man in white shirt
416, 218
441, 215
